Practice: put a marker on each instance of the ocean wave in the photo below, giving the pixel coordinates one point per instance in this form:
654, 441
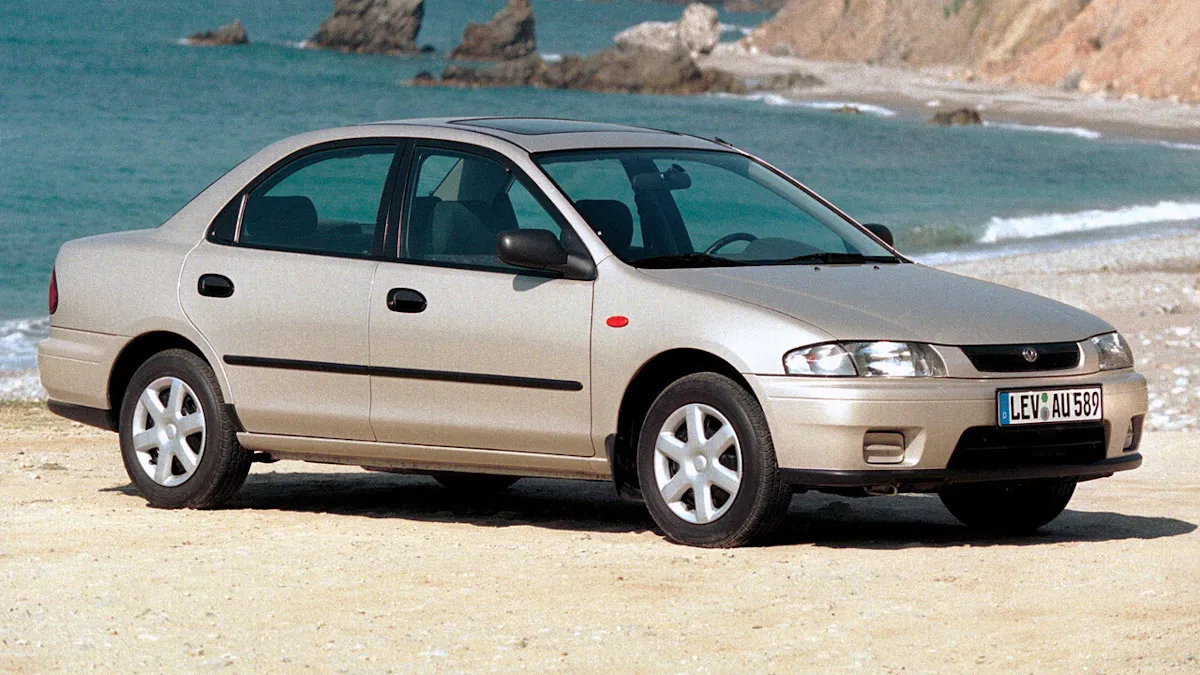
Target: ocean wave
1179, 146
778, 100
1080, 132
23, 385
734, 28
19, 340
552, 57
1049, 224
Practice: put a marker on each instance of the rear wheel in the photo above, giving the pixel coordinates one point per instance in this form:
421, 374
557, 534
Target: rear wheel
707, 467
1012, 508
178, 443
475, 482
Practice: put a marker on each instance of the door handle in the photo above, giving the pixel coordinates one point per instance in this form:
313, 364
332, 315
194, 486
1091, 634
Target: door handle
406, 300
215, 286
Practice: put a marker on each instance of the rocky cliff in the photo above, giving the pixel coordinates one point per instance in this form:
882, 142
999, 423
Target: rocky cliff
1150, 48
1144, 47
914, 32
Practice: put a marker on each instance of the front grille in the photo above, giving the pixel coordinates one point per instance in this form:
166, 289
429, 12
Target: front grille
1012, 358
1054, 445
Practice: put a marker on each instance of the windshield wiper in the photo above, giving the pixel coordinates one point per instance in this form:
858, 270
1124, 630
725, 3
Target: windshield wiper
678, 260
833, 258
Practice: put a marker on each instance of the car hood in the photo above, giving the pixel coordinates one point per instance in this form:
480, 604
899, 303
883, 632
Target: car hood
905, 302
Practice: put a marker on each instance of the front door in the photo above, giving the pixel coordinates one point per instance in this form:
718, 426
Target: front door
281, 287
467, 351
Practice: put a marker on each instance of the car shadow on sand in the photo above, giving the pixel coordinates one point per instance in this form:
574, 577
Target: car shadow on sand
903, 521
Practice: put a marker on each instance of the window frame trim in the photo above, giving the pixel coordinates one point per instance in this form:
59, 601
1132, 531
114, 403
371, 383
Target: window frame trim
399, 147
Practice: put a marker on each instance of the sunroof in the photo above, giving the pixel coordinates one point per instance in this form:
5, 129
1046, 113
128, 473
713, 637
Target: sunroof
527, 126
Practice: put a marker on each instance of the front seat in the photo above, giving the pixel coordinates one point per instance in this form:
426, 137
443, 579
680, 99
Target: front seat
612, 220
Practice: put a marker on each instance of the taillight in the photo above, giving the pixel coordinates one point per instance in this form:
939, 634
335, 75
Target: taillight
53, 291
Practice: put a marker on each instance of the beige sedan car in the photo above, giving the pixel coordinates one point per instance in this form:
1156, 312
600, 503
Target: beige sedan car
485, 299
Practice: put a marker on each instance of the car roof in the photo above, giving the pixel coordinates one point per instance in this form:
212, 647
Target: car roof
544, 134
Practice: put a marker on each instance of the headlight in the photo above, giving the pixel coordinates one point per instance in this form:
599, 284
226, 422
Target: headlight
867, 359
1114, 351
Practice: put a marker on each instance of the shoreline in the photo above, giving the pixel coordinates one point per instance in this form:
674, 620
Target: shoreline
910, 91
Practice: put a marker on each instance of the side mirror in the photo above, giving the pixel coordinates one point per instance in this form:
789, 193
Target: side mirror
882, 232
531, 249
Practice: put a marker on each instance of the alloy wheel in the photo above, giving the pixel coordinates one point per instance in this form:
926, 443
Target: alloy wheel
168, 431
698, 463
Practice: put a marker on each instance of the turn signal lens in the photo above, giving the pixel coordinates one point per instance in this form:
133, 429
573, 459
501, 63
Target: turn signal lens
1115, 353
53, 291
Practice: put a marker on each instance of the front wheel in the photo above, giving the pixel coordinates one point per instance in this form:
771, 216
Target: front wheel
178, 443
707, 466
1011, 508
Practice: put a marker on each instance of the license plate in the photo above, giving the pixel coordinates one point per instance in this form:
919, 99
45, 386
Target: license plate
1049, 406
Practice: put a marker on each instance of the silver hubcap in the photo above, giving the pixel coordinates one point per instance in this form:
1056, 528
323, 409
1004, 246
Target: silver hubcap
698, 463
168, 431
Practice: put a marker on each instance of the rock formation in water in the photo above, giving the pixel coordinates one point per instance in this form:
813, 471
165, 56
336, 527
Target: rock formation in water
962, 117
698, 31
628, 70
229, 34
371, 26
509, 35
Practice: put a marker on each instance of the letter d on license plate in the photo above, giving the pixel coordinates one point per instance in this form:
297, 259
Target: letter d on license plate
1049, 406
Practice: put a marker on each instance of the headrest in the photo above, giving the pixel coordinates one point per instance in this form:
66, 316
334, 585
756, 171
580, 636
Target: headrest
611, 220
279, 220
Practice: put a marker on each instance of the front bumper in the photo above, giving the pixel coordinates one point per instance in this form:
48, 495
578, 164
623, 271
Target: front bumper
819, 427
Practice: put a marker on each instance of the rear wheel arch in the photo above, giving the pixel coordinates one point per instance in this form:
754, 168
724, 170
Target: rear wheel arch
651, 380
139, 350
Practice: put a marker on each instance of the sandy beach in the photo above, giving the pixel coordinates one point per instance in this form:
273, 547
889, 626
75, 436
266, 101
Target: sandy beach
334, 568
926, 90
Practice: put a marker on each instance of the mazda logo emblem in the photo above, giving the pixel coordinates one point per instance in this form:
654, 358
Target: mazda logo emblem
1030, 354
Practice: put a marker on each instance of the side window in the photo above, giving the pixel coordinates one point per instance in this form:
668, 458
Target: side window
325, 202
456, 205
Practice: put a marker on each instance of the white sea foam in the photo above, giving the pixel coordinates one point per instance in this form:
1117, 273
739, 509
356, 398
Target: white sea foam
19, 339
24, 385
1049, 224
734, 28
778, 100
1179, 146
1080, 132
552, 57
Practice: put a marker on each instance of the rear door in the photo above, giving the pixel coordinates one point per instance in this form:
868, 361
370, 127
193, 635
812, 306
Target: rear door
467, 351
281, 286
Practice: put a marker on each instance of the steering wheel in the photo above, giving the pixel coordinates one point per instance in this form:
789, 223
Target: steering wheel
729, 239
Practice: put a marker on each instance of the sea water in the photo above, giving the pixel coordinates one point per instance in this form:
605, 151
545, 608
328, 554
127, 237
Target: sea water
109, 122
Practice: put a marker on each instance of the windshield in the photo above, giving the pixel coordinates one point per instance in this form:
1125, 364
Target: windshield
695, 208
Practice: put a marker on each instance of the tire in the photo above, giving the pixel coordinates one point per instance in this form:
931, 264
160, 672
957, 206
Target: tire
475, 482
1009, 508
218, 463
722, 518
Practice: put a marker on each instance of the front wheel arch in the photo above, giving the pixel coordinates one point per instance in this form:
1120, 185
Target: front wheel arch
652, 379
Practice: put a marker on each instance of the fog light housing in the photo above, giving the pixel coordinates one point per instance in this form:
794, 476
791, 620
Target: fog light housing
883, 447
1133, 437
